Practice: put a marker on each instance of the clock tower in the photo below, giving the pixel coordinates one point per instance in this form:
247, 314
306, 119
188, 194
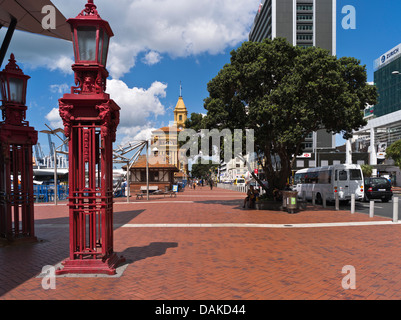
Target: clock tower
180, 113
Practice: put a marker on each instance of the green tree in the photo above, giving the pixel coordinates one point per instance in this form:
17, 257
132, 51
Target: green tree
203, 170
394, 152
367, 170
284, 93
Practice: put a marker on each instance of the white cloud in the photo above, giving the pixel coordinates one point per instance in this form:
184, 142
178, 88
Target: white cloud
62, 64
126, 135
39, 51
59, 88
178, 28
137, 104
151, 58
55, 120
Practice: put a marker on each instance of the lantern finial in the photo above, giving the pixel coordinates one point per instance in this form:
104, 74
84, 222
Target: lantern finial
12, 66
90, 9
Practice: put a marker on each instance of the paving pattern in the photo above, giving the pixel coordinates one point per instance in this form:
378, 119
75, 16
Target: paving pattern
203, 245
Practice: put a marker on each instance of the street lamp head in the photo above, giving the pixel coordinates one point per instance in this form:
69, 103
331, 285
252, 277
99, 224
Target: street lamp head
395, 72
13, 84
90, 35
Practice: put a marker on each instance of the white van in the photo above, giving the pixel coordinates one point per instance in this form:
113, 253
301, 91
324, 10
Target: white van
344, 179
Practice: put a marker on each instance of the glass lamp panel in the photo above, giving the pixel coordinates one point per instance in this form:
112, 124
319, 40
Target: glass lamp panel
105, 48
3, 88
75, 47
99, 55
87, 43
16, 90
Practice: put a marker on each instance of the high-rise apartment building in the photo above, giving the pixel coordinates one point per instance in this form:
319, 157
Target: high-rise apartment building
304, 23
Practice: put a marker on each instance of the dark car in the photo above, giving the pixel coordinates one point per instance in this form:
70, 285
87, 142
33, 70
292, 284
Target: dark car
378, 188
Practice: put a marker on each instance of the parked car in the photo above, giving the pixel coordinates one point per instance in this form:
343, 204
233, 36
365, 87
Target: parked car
378, 188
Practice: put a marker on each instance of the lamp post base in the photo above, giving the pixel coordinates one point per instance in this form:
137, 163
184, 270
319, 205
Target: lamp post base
91, 266
18, 240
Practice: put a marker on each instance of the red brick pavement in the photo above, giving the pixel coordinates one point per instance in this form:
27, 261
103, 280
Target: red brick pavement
214, 263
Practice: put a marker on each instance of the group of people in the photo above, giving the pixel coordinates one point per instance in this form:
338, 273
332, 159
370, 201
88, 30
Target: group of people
196, 182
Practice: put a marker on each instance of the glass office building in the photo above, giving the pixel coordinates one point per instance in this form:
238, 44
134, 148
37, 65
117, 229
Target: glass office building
388, 84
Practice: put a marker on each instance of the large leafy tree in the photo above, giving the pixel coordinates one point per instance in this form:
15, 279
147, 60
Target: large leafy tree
284, 93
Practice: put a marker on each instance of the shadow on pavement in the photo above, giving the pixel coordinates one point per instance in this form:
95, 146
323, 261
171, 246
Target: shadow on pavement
21, 262
154, 249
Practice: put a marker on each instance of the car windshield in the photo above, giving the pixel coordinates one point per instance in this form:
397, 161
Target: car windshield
379, 181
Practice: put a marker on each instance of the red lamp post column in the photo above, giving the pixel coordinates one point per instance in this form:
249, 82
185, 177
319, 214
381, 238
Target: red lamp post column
16, 171
90, 120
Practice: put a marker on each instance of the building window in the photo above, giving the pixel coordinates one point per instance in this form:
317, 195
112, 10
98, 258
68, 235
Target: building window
300, 163
304, 27
304, 37
180, 118
305, 17
156, 176
304, 7
307, 145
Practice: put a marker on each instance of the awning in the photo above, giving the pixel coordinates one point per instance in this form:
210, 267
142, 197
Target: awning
28, 14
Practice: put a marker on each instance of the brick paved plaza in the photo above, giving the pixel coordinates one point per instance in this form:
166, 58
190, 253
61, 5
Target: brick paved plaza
204, 245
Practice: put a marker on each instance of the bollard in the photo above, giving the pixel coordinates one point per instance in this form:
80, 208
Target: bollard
337, 202
395, 209
313, 198
324, 200
372, 209
353, 203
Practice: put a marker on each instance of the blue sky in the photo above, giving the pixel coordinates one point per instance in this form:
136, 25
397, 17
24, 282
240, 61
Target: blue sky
187, 41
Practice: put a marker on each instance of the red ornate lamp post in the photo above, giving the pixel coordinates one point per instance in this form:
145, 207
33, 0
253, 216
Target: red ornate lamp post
90, 120
16, 172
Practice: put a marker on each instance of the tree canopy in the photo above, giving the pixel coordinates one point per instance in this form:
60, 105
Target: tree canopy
284, 92
203, 170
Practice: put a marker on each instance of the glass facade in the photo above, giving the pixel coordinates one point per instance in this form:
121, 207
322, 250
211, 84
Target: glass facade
388, 88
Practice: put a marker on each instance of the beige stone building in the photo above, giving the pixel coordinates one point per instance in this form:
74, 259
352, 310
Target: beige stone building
164, 143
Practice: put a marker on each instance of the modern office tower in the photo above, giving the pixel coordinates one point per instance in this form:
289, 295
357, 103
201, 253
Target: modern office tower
387, 79
304, 23
384, 118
